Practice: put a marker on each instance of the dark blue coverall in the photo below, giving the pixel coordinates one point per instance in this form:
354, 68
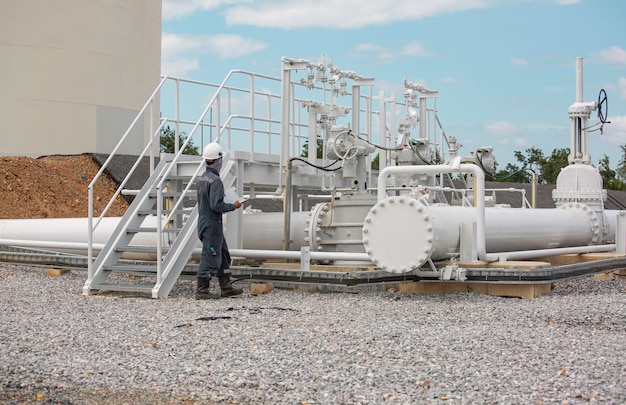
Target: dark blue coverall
215, 256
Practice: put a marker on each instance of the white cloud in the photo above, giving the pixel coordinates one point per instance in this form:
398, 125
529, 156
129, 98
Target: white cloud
346, 14
414, 49
388, 55
615, 132
449, 79
180, 67
614, 54
181, 53
507, 134
502, 128
520, 142
568, 2
519, 61
620, 87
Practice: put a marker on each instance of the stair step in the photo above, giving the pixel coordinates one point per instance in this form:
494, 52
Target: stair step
177, 177
122, 287
152, 230
133, 268
154, 212
189, 194
140, 249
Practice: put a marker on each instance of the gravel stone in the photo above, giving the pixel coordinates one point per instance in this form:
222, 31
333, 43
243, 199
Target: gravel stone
58, 346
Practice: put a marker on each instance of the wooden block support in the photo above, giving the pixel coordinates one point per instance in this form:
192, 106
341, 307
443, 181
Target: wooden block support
603, 276
319, 267
308, 288
57, 272
511, 264
501, 290
575, 258
261, 288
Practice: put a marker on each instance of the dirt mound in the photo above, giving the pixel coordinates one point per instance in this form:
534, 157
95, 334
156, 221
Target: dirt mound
54, 187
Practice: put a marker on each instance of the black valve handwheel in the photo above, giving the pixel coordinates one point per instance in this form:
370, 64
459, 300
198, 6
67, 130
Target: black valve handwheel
603, 106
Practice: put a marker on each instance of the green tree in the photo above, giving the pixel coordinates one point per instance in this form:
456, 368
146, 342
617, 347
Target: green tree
320, 148
552, 166
167, 142
621, 167
512, 173
547, 168
610, 181
376, 162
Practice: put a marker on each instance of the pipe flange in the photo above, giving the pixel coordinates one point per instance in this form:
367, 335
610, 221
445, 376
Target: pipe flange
318, 221
398, 234
594, 219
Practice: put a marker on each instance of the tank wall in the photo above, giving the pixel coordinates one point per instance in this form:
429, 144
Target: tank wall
75, 73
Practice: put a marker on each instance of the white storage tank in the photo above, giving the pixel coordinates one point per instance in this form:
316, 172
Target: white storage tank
75, 73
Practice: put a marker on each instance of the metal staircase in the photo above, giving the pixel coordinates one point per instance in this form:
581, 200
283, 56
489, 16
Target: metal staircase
156, 237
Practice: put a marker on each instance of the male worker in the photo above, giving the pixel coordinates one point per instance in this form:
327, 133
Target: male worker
215, 258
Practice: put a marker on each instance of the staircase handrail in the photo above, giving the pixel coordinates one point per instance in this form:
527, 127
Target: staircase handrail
114, 151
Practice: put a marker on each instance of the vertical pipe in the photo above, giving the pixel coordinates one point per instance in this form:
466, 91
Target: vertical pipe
579, 80
534, 191
269, 125
312, 126
382, 128
287, 206
252, 123
423, 118
356, 108
284, 120
620, 233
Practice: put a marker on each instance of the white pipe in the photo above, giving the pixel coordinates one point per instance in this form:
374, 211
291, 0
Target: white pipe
297, 255
46, 244
456, 167
579, 80
530, 254
68, 235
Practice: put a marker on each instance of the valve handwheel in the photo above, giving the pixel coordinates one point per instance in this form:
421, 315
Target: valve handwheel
603, 106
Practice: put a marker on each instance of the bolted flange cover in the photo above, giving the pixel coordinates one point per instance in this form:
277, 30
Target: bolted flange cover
398, 234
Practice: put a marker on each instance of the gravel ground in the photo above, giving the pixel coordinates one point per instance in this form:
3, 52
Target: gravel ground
60, 347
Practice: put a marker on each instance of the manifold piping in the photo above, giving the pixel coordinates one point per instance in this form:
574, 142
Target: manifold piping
455, 167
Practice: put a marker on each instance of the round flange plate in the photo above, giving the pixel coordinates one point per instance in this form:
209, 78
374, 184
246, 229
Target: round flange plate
398, 234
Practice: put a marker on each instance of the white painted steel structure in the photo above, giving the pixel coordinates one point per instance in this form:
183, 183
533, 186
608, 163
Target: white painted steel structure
407, 214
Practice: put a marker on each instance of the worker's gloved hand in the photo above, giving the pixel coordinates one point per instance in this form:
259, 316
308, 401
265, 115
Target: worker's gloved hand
238, 204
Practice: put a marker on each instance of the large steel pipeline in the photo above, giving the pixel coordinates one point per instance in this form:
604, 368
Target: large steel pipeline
398, 232
505, 229
401, 234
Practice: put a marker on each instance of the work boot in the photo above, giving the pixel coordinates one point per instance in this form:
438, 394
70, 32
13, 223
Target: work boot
202, 291
227, 286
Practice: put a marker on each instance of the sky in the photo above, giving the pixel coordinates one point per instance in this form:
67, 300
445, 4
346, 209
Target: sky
504, 69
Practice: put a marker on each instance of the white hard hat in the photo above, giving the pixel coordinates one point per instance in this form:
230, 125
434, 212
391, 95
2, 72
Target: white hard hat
212, 151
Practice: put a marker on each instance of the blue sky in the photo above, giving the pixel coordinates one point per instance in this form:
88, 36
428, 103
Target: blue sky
504, 69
